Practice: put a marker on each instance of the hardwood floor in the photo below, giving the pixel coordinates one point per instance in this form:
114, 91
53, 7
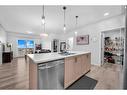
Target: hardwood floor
15, 75
109, 76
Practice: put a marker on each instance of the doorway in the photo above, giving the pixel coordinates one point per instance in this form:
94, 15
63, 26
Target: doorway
112, 46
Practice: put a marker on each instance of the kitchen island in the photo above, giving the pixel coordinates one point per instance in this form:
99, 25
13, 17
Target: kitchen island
76, 64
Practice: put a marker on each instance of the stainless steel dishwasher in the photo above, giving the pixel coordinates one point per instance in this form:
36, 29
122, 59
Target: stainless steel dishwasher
51, 75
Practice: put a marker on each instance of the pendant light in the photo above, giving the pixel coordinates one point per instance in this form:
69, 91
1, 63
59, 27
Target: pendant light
43, 16
44, 34
43, 19
64, 8
76, 24
43, 22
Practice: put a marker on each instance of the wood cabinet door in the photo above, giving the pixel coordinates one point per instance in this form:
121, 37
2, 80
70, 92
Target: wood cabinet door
69, 71
77, 67
84, 62
88, 61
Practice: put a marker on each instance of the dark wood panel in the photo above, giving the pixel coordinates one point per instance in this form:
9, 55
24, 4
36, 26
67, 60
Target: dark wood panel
7, 57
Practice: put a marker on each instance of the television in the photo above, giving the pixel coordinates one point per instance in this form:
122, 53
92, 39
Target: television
30, 44
21, 43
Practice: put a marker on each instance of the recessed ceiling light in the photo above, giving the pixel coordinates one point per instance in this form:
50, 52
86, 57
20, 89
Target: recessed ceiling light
106, 14
29, 32
44, 34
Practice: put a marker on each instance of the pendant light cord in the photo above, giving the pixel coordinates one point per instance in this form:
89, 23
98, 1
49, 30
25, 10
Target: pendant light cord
43, 10
64, 8
44, 16
44, 27
64, 17
76, 21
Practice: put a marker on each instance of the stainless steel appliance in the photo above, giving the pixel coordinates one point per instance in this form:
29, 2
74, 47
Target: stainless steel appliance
55, 45
51, 75
62, 46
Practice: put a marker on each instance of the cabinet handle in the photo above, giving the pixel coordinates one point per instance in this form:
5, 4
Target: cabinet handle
87, 55
75, 59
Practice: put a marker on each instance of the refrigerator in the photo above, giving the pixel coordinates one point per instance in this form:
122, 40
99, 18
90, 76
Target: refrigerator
1, 50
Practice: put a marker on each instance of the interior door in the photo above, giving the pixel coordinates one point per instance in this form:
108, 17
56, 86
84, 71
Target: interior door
102, 48
122, 47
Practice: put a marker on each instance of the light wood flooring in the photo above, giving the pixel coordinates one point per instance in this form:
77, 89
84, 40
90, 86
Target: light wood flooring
109, 76
15, 75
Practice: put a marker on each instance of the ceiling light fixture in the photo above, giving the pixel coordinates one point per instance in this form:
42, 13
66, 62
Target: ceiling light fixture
64, 8
106, 14
76, 24
43, 19
43, 22
29, 32
44, 34
43, 16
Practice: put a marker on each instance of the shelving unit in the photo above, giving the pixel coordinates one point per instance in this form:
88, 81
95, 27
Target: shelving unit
113, 50
114, 46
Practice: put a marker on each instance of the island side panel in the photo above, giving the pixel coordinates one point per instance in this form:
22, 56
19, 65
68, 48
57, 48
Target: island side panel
33, 75
76, 67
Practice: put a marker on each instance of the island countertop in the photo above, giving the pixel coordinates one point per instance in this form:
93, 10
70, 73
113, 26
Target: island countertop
45, 57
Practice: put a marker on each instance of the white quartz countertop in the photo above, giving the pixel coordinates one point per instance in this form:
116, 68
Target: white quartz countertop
45, 57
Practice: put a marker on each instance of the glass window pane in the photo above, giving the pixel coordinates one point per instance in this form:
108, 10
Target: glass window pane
21, 44
30, 44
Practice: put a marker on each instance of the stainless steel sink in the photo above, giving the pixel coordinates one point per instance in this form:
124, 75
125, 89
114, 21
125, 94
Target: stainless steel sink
66, 53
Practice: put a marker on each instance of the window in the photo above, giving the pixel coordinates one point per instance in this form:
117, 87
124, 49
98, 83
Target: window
30, 44
21, 43
25, 44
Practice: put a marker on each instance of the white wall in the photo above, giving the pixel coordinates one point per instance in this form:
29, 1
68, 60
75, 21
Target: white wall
2, 39
2, 35
94, 31
47, 41
14, 37
114, 33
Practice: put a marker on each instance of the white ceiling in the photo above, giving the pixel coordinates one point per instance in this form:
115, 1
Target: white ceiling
28, 18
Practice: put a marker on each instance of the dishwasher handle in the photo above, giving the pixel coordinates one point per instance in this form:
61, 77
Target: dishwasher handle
45, 66
42, 66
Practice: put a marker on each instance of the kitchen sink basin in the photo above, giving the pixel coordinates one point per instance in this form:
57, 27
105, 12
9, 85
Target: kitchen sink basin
66, 53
